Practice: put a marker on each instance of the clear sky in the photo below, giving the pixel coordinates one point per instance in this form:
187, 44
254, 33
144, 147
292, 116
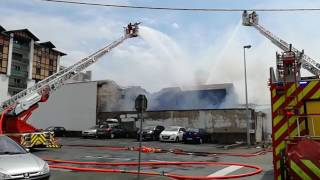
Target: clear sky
211, 42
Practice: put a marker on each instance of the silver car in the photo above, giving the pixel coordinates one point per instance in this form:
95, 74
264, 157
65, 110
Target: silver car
17, 163
91, 132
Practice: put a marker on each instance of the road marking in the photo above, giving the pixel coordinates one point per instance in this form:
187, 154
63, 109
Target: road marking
62, 170
108, 157
161, 161
225, 171
118, 158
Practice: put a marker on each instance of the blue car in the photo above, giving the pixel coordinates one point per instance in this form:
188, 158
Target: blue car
195, 135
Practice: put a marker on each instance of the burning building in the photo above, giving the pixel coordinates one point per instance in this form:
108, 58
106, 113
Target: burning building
196, 107
112, 97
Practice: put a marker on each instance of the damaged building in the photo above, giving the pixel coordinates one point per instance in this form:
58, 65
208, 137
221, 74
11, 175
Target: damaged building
112, 97
198, 106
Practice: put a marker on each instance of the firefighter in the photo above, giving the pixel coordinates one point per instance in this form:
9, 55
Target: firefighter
130, 29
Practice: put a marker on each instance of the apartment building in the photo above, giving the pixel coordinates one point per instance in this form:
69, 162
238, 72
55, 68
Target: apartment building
24, 60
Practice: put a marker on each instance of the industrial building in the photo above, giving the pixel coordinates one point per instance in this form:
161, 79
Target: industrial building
225, 126
210, 96
24, 61
112, 97
79, 105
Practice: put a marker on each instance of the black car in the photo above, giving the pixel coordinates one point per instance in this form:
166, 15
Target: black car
58, 131
111, 131
195, 135
150, 132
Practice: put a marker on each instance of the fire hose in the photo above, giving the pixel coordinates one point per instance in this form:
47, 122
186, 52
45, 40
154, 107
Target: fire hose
146, 149
176, 176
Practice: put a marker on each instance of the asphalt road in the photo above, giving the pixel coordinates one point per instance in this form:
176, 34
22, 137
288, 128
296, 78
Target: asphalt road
97, 154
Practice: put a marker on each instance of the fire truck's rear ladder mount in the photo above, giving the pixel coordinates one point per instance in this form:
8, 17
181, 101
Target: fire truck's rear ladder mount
307, 63
56, 80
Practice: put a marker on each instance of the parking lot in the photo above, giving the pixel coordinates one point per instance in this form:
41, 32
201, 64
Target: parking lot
105, 150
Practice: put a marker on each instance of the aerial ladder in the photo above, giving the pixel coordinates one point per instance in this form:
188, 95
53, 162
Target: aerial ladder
295, 103
252, 19
15, 111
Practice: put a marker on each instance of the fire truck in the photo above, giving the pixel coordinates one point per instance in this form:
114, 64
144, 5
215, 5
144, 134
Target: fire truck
15, 111
295, 107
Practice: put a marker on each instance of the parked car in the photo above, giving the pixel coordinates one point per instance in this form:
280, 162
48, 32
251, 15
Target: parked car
58, 131
150, 132
111, 131
172, 133
195, 135
18, 163
91, 132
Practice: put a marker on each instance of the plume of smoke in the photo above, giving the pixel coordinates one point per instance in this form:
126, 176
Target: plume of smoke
185, 73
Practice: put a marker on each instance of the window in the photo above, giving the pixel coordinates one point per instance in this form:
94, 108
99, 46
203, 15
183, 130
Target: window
1, 50
18, 68
17, 56
18, 81
51, 62
38, 71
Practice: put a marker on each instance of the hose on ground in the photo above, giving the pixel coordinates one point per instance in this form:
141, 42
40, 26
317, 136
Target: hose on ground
174, 151
176, 176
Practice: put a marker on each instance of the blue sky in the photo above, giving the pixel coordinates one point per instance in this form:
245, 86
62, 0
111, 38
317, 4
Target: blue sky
210, 55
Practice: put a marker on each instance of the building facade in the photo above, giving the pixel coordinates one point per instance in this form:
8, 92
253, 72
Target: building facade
112, 97
73, 106
24, 61
225, 126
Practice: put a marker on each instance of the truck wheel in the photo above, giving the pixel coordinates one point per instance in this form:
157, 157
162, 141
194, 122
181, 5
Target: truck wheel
111, 136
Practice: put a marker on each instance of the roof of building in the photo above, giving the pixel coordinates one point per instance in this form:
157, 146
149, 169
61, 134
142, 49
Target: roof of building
48, 44
208, 87
61, 53
35, 38
2, 29
199, 87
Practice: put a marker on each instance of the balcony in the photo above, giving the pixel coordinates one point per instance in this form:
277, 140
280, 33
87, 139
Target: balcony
12, 90
21, 50
22, 61
20, 73
17, 86
22, 47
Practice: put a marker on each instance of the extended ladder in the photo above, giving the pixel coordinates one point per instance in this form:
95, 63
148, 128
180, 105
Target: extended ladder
22, 100
307, 63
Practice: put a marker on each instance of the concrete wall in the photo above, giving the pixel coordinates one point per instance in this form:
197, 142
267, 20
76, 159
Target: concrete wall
112, 97
224, 125
73, 107
4, 82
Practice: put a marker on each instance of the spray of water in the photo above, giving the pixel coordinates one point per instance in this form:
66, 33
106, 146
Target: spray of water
219, 60
177, 63
222, 63
172, 57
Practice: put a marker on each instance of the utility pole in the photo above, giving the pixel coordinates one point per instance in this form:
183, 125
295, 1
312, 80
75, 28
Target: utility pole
246, 93
141, 104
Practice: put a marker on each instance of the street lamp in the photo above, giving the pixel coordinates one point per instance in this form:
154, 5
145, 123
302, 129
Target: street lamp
246, 91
